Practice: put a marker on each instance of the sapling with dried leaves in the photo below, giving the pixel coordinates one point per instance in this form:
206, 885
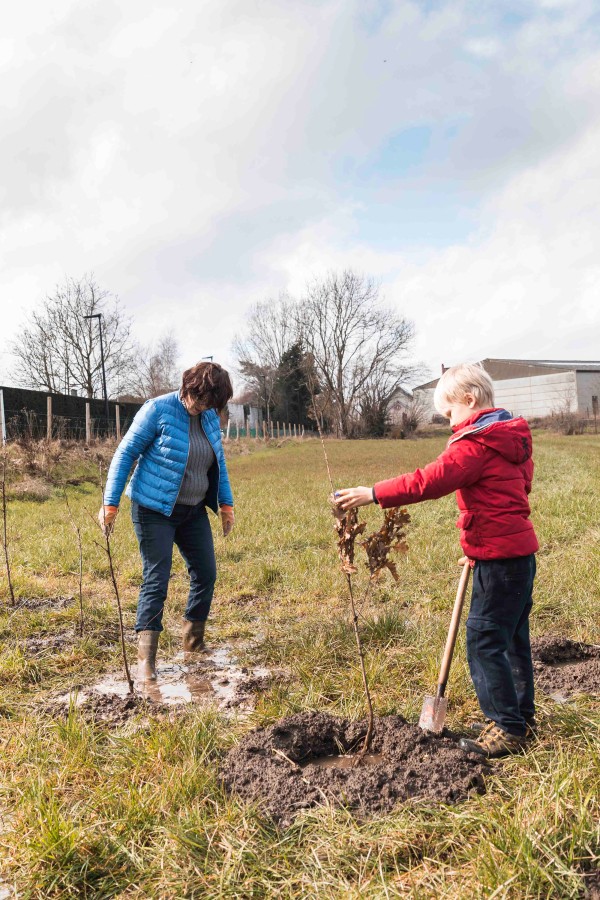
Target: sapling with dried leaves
5, 528
378, 546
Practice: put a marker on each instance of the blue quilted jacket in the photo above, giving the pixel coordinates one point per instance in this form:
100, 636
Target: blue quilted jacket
158, 440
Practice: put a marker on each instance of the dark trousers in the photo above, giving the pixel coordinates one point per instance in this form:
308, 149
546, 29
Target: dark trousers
498, 647
187, 527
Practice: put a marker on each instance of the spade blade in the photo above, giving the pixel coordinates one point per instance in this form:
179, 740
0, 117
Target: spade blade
433, 714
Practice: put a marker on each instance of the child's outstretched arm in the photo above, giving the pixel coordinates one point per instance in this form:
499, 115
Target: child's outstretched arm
451, 471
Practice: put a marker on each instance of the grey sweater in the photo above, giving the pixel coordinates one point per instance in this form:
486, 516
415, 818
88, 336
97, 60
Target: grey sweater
200, 458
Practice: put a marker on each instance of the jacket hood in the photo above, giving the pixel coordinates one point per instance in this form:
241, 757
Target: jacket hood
500, 431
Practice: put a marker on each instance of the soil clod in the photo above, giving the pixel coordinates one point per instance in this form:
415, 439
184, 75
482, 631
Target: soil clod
283, 768
563, 667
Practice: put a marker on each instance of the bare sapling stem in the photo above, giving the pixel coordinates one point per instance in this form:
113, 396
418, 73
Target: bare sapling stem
370, 718
107, 548
348, 528
5, 530
77, 530
320, 430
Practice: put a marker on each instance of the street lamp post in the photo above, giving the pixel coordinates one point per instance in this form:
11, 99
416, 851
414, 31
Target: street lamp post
99, 317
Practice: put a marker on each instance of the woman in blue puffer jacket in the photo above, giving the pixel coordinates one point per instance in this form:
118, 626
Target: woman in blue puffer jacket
176, 441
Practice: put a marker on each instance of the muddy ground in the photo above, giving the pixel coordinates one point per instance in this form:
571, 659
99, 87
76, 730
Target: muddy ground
275, 766
44, 602
564, 667
209, 678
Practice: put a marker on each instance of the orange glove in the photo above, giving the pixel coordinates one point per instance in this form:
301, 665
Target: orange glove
227, 519
106, 518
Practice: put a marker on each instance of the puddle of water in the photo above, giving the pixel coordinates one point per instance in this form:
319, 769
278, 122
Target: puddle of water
208, 677
343, 762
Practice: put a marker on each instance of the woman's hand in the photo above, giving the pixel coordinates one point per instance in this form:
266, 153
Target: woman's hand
106, 518
227, 519
348, 498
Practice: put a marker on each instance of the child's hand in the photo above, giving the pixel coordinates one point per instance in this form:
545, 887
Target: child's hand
348, 498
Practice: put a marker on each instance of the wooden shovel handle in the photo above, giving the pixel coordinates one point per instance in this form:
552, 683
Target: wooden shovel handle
453, 630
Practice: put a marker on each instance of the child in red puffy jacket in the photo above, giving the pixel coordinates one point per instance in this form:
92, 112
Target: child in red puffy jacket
488, 463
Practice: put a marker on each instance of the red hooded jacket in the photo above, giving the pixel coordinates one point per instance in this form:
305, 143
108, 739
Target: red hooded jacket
488, 463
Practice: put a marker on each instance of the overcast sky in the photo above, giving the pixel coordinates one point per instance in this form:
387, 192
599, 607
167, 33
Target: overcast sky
200, 156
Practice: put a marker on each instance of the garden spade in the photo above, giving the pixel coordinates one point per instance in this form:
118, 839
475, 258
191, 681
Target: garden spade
433, 713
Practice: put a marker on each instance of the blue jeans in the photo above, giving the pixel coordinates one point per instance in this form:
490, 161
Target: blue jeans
187, 527
498, 647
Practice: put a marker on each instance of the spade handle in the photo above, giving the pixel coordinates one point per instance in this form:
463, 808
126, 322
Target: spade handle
453, 630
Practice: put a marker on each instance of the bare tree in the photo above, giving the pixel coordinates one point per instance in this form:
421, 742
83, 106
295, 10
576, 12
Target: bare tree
157, 370
59, 348
271, 331
358, 346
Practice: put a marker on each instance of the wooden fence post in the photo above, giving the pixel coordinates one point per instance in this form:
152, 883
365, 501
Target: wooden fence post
2, 418
49, 417
272, 430
118, 420
228, 428
88, 423
237, 431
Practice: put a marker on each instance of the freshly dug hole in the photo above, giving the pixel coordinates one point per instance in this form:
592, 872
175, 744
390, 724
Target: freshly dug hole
566, 667
272, 766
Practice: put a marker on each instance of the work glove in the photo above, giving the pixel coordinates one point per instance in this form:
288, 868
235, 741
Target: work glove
227, 519
106, 519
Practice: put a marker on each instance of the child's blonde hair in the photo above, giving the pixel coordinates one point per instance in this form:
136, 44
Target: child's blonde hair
467, 378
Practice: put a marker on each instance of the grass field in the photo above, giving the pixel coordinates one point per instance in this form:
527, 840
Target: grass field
90, 812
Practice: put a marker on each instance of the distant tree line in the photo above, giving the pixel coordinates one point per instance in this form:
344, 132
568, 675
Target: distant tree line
338, 352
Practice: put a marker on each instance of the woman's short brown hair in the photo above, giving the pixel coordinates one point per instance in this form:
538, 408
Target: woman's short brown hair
209, 383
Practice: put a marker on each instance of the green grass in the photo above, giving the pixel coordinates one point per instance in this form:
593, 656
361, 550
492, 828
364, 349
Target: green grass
86, 812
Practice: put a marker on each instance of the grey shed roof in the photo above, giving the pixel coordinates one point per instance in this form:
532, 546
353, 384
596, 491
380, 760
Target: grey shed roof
502, 369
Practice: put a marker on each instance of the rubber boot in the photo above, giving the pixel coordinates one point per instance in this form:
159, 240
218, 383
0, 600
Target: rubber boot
147, 647
193, 636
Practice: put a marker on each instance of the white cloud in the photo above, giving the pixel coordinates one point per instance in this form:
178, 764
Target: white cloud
189, 156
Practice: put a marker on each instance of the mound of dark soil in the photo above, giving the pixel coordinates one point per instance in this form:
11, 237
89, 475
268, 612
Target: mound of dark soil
275, 766
566, 667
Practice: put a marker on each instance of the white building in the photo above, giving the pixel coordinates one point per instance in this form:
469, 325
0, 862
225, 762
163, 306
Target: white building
535, 388
399, 406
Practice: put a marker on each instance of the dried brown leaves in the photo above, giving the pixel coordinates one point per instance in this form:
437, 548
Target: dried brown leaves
348, 528
378, 546
391, 536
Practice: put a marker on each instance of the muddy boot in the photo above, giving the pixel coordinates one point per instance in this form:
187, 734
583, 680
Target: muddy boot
532, 727
494, 742
193, 636
147, 647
